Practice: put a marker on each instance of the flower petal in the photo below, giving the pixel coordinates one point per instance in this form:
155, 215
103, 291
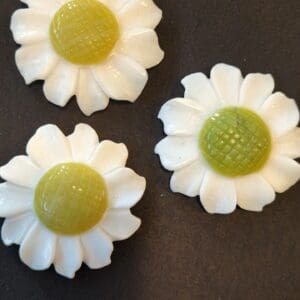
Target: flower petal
227, 81
281, 172
181, 117
199, 88
125, 188
36, 61
14, 200
29, 26
289, 144
188, 180
256, 88
120, 224
14, 229
121, 78
68, 256
97, 248
61, 84
83, 142
217, 194
38, 247
49, 146
114, 5
280, 113
50, 6
176, 152
109, 156
21, 171
90, 97
140, 13
142, 45
253, 192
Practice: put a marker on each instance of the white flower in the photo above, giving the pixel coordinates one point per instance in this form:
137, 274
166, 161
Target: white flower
94, 49
68, 200
230, 140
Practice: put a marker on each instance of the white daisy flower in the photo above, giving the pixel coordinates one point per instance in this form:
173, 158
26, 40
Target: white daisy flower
68, 199
94, 49
230, 140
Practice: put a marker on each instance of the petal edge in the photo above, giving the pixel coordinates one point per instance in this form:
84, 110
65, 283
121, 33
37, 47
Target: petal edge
125, 188
218, 194
120, 224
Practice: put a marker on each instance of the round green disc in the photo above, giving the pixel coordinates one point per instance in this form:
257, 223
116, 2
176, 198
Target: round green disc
70, 198
84, 31
235, 141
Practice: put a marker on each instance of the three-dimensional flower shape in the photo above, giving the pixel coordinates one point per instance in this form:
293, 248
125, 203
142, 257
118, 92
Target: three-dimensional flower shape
94, 49
230, 140
68, 200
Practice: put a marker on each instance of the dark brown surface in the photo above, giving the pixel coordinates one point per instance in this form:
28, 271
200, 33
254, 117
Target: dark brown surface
180, 252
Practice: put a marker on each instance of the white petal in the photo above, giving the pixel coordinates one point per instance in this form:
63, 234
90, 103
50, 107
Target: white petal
256, 88
120, 224
280, 113
198, 88
217, 194
21, 171
90, 96
176, 152
36, 61
29, 26
83, 142
125, 188
14, 229
253, 192
289, 144
181, 117
140, 13
68, 256
114, 5
14, 200
97, 248
49, 6
61, 84
109, 156
141, 44
121, 78
281, 172
227, 81
38, 247
188, 180
49, 146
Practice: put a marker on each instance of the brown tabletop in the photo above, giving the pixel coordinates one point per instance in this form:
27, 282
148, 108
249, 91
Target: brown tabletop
180, 252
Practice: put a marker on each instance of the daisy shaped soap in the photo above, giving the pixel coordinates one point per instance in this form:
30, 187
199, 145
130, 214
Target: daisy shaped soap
68, 200
231, 140
94, 49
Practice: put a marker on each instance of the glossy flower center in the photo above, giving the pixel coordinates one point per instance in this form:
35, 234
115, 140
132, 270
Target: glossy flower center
70, 198
235, 141
84, 31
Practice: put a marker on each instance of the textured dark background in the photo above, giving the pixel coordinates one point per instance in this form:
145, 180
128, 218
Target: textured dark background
180, 252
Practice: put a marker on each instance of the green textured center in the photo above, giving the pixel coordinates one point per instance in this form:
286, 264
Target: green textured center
84, 31
235, 141
70, 198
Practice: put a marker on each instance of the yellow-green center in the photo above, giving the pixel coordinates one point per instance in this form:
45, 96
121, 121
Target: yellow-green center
84, 31
235, 141
70, 198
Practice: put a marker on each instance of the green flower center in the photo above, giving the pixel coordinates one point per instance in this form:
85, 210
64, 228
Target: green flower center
70, 198
235, 141
84, 31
